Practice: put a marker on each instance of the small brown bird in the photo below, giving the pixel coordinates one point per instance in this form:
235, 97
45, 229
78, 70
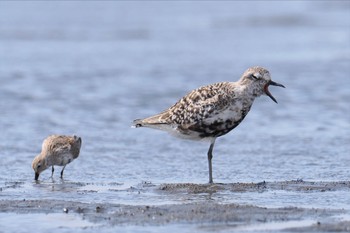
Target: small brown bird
56, 150
214, 110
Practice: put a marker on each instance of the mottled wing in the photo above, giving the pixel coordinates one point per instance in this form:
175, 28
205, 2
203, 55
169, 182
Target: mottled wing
60, 144
194, 108
200, 105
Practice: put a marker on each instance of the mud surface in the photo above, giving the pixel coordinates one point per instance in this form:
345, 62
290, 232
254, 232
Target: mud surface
294, 185
205, 215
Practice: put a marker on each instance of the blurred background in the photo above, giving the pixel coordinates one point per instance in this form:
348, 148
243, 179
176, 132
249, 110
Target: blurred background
91, 68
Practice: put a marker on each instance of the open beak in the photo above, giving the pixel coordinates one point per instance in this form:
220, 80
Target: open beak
267, 92
36, 176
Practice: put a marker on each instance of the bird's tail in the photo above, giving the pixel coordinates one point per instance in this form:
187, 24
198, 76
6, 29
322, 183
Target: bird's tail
77, 139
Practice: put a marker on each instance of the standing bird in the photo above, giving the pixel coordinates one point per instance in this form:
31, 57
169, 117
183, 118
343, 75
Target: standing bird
214, 110
56, 150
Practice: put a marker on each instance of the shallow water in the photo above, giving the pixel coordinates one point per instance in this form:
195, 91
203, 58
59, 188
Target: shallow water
90, 69
44, 222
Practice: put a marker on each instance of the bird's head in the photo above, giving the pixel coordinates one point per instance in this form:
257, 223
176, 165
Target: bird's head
38, 165
258, 79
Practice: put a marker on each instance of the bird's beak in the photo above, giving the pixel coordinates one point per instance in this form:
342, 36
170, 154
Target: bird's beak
36, 176
267, 92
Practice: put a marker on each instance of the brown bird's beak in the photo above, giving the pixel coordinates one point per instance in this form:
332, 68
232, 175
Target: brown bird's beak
36, 176
267, 92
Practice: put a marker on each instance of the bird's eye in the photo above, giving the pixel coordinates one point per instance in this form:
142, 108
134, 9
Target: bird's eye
254, 77
39, 166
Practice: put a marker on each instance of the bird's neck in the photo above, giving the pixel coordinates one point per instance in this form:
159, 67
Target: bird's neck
44, 159
253, 91
246, 93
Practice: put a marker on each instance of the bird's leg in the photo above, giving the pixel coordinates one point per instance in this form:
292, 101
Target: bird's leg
210, 156
62, 171
52, 170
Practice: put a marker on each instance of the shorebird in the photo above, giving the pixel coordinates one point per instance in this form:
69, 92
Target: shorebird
214, 110
56, 150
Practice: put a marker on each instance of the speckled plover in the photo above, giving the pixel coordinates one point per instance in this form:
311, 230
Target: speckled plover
214, 110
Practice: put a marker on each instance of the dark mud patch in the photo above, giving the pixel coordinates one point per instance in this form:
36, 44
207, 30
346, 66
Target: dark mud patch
11, 185
294, 185
194, 213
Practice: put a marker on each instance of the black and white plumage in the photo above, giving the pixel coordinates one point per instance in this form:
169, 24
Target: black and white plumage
56, 150
214, 110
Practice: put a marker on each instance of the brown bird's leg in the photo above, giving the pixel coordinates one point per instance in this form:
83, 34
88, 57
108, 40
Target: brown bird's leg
62, 171
53, 169
210, 156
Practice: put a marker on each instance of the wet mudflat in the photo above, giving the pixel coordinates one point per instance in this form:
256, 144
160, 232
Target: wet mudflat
187, 210
91, 68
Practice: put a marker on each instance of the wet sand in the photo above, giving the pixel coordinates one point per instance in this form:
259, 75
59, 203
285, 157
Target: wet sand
209, 214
